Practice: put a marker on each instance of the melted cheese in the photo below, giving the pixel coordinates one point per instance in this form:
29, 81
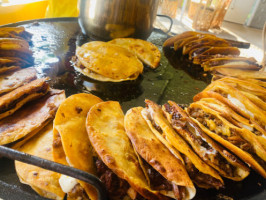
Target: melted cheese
240, 105
67, 183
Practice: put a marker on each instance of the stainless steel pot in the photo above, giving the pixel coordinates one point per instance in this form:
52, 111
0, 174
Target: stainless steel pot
108, 19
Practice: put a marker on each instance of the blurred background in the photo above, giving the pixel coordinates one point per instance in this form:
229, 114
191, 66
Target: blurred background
242, 19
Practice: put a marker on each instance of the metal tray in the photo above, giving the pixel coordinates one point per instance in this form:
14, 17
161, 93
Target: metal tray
54, 42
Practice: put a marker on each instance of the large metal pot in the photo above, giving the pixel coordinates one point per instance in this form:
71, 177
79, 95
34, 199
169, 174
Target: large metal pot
108, 19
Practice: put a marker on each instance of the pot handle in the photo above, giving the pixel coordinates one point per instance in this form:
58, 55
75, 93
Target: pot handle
171, 22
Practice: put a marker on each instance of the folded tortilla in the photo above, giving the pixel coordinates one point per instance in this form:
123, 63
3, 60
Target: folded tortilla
236, 119
147, 52
5, 69
107, 62
71, 145
13, 61
28, 120
236, 100
13, 80
116, 155
238, 140
15, 32
44, 182
12, 101
164, 168
200, 173
207, 149
240, 73
207, 40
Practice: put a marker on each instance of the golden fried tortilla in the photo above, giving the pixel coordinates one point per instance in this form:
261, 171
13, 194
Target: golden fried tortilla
107, 62
149, 147
207, 149
13, 80
147, 52
236, 100
239, 141
12, 101
243, 74
44, 182
5, 69
15, 32
105, 127
31, 117
164, 131
13, 61
71, 144
170, 41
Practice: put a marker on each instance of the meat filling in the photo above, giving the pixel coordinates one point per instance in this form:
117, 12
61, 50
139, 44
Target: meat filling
231, 135
12, 104
117, 188
78, 193
199, 143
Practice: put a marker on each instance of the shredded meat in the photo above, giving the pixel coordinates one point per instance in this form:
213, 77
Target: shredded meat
117, 188
78, 193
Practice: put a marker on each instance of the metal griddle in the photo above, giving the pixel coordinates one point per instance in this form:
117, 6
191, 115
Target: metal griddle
54, 42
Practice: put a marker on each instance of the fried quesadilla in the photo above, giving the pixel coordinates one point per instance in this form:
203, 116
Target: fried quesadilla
15, 32
11, 47
15, 99
209, 151
243, 74
13, 61
71, 145
8, 69
236, 119
13, 80
107, 62
44, 182
238, 140
147, 52
28, 120
117, 163
236, 100
200, 173
230, 62
166, 173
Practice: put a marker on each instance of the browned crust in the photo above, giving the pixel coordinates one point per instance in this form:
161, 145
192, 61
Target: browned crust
223, 152
153, 151
109, 149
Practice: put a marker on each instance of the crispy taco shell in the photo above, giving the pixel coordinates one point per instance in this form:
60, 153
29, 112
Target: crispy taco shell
149, 147
15, 32
236, 100
15, 99
105, 127
44, 182
170, 41
239, 141
71, 144
28, 120
107, 62
243, 74
13, 80
208, 150
147, 52
5, 69
206, 176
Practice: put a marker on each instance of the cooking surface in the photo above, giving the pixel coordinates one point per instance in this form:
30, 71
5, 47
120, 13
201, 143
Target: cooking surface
53, 44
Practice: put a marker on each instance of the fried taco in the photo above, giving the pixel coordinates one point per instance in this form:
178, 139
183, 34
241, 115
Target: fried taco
147, 52
44, 182
166, 173
238, 140
236, 119
15, 99
201, 173
240, 73
13, 61
4, 70
27, 121
235, 100
13, 80
71, 145
15, 32
117, 163
12, 47
107, 62
208, 150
